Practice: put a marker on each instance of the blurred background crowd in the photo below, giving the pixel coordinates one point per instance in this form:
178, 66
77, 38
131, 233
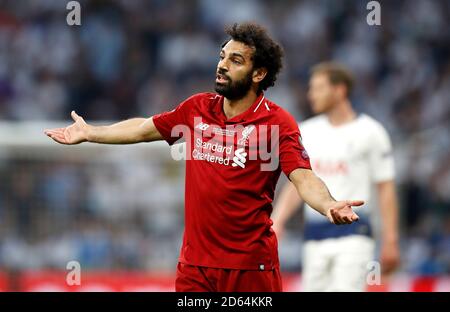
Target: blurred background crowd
124, 210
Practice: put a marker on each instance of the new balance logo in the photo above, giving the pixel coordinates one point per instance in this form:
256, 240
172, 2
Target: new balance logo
202, 126
239, 158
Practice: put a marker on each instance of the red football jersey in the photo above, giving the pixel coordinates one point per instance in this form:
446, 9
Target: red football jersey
232, 167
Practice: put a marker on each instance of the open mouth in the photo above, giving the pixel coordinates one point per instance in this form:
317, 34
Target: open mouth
221, 78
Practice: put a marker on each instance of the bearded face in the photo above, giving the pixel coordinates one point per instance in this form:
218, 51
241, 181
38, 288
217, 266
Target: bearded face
234, 75
233, 89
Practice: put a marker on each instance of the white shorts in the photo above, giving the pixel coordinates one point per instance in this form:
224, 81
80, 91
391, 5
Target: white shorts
337, 264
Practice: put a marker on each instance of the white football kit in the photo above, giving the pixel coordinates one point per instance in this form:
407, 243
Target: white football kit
350, 159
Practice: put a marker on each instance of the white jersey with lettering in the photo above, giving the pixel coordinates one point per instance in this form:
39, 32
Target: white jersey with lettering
350, 159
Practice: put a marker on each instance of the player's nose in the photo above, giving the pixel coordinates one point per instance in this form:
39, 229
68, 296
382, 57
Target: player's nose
222, 66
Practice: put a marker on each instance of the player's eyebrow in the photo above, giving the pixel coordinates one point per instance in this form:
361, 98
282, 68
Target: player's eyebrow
234, 54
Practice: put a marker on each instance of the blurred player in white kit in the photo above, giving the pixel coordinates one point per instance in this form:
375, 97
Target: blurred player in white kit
352, 154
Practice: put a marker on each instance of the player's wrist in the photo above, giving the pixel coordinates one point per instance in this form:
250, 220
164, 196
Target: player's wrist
89, 133
327, 206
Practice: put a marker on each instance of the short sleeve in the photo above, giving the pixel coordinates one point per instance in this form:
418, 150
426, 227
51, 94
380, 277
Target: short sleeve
293, 155
380, 156
171, 124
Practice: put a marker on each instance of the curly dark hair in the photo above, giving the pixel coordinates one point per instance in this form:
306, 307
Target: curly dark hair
268, 53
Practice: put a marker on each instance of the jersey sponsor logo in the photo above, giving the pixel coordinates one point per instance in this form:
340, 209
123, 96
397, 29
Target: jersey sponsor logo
212, 152
220, 154
202, 126
232, 146
239, 158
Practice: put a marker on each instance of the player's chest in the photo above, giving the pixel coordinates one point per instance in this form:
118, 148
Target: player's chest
234, 146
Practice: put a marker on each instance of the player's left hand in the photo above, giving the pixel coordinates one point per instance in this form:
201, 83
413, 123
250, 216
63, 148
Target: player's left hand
341, 212
389, 257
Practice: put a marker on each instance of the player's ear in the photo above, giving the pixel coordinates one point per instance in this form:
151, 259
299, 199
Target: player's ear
341, 91
259, 74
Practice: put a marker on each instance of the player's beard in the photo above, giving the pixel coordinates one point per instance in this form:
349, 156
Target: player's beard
235, 90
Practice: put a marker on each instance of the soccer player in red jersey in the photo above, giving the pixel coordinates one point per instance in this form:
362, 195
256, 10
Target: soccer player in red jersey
237, 144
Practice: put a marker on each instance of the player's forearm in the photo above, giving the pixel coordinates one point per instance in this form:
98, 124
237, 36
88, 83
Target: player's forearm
312, 190
287, 204
389, 211
317, 195
125, 132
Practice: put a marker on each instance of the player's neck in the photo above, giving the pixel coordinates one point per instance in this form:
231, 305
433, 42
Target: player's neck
341, 114
232, 108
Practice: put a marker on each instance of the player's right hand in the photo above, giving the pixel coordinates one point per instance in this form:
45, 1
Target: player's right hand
74, 134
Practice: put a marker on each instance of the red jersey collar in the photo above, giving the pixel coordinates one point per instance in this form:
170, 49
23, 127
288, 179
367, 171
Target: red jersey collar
218, 109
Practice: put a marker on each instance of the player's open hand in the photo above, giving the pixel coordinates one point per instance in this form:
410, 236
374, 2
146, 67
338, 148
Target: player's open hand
73, 134
341, 212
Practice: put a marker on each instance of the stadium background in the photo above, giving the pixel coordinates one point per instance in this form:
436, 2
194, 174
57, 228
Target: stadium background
119, 210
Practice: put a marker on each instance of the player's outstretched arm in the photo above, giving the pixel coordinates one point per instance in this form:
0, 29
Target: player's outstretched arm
316, 194
125, 132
